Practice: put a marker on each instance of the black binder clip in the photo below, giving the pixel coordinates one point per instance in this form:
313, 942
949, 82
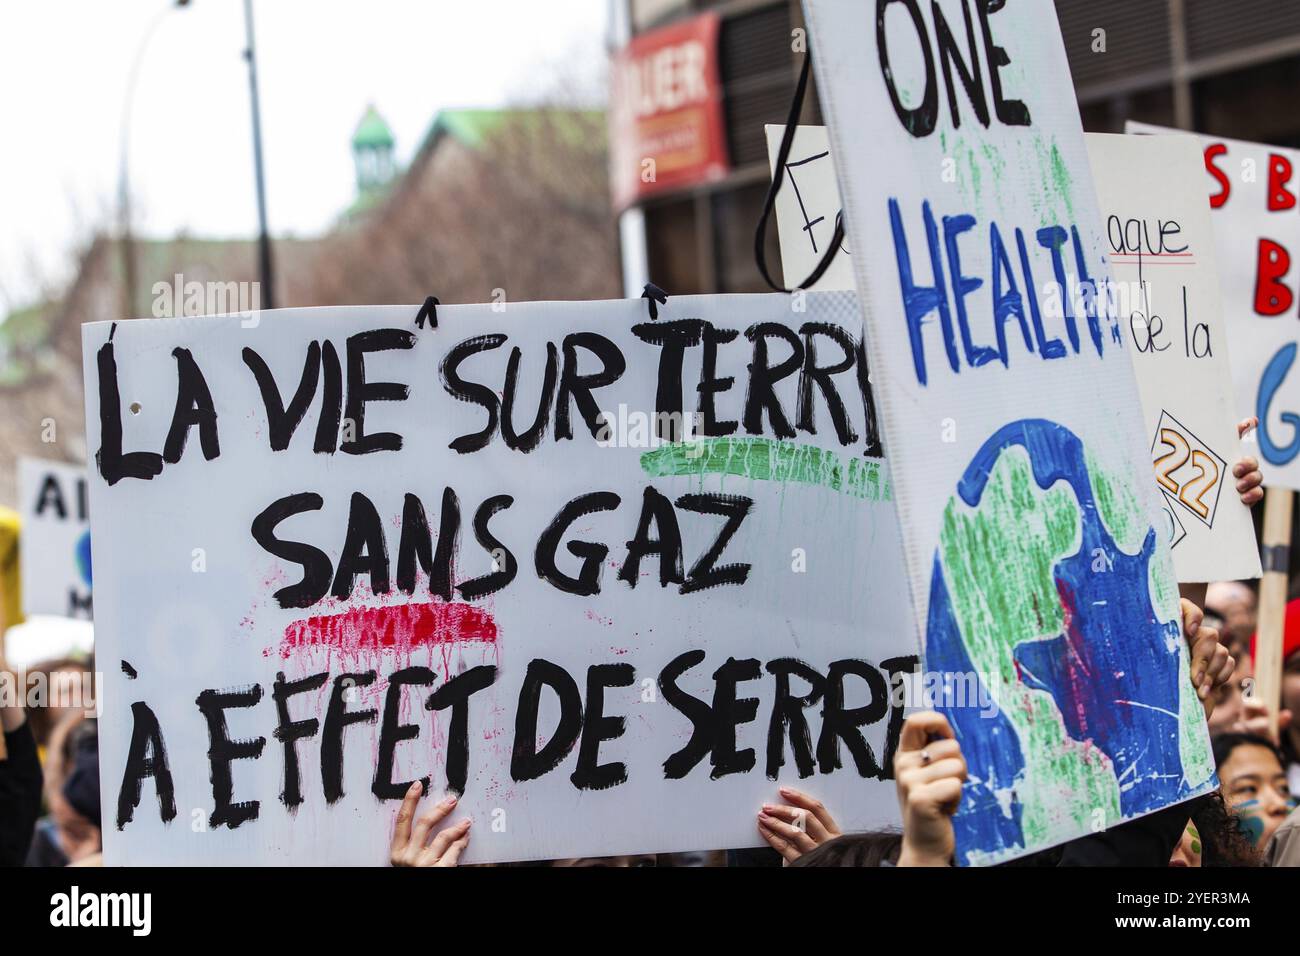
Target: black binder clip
653, 294
428, 310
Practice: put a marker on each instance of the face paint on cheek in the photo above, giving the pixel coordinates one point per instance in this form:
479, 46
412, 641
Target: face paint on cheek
1250, 821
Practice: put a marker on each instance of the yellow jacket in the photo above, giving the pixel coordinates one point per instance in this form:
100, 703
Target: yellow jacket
10, 590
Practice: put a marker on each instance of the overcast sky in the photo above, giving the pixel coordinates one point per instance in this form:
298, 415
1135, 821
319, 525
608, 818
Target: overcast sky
64, 67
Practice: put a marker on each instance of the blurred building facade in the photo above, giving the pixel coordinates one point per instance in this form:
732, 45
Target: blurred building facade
495, 205
40, 354
697, 234
1226, 67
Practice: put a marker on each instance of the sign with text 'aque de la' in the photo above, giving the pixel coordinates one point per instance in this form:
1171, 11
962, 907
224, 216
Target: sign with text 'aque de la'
1010, 416
612, 579
1161, 251
1252, 190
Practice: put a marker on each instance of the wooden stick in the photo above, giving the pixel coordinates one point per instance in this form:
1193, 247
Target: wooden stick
1272, 601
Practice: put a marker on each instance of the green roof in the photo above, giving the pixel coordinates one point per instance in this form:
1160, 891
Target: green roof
23, 335
25, 327
372, 131
473, 127
469, 127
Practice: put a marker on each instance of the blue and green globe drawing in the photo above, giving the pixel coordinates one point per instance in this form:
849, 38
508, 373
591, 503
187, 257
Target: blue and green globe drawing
1050, 587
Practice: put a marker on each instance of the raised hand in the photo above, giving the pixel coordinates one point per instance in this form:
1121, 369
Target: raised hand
411, 846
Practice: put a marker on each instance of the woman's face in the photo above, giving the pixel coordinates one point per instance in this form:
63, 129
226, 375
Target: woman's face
1255, 788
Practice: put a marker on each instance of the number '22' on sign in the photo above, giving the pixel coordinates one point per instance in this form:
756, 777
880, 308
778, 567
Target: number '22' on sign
1187, 469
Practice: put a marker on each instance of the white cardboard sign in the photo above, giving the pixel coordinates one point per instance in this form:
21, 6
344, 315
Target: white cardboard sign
54, 549
1166, 292
808, 209
1010, 415
626, 643
1252, 194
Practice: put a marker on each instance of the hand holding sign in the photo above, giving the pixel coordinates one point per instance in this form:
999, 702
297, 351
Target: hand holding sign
798, 829
1250, 479
1212, 665
411, 845
929, 770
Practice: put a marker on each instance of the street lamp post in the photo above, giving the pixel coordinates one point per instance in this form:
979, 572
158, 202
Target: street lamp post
267, 297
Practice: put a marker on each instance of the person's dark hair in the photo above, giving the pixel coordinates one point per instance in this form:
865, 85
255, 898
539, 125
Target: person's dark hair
1222, 841
1225, 744
856, 849
81, 789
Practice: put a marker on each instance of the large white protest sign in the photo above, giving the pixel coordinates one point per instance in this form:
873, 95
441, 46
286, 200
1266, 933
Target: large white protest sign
808, 208
54, 548
1166, 294
1010, 415
1252, 197
362, 553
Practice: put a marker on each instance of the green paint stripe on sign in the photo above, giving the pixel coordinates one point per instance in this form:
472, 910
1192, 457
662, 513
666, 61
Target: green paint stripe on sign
764, 459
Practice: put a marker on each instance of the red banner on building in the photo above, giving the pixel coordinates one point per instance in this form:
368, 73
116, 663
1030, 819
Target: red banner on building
666, 121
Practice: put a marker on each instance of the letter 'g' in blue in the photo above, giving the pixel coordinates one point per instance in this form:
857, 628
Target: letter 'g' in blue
1274, 374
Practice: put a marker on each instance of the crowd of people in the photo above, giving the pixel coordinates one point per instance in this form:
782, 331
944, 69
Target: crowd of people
50, 784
